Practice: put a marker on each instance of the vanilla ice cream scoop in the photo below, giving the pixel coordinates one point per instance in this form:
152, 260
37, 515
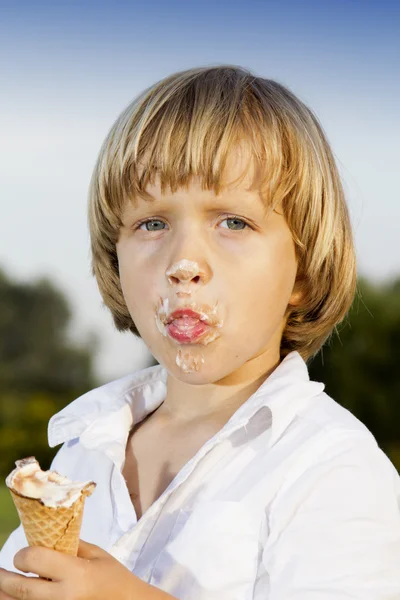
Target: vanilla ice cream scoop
50, 488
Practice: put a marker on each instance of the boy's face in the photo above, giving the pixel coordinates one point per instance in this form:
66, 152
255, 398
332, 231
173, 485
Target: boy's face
227, 258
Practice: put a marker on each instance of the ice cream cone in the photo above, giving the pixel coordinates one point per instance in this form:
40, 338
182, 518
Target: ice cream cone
57, 528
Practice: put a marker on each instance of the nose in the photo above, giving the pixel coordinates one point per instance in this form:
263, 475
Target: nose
186, 272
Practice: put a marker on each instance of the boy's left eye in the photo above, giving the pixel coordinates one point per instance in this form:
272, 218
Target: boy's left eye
238, 224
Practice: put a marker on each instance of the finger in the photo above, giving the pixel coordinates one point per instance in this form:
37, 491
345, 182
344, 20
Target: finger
4, 596
20, 587
90, 551
45, 562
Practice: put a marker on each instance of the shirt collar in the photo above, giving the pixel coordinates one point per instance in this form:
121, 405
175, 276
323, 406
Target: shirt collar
103, 417
143, 391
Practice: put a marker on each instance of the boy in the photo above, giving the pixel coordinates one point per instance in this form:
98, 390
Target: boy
220, 235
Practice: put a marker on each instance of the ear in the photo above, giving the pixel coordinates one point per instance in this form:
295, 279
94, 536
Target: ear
298, 293
295, 299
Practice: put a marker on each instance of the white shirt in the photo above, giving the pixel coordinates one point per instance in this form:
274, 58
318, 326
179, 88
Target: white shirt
291, 499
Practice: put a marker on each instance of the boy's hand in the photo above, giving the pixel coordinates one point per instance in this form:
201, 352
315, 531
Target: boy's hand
93, 575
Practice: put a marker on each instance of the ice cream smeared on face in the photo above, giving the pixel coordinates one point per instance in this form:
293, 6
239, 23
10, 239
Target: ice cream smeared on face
187, 362
50, 488
184, 269
189, 323
161, 315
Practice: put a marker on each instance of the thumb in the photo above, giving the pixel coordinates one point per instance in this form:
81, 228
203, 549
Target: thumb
90, 551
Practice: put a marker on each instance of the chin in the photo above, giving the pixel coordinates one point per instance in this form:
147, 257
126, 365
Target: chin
203, 375
195, 367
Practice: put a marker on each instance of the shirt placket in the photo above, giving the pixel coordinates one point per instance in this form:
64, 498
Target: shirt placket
128, 548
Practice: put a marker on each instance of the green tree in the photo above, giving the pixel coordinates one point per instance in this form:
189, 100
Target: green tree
360, 364
41, 370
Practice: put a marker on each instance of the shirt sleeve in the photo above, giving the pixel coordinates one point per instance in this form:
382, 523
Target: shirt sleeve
335, 532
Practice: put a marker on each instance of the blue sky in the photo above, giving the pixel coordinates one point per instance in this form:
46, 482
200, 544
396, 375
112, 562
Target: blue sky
309, 36
67, 71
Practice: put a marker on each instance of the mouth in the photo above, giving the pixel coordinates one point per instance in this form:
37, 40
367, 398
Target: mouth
187, 326
190, 324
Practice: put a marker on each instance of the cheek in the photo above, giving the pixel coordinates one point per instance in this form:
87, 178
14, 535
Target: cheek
141, 296
135, 289
267, 284
135, 278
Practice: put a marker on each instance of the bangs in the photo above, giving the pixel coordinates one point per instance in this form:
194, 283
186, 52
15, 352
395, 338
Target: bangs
179, 132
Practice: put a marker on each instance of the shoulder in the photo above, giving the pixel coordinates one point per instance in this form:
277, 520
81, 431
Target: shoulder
339, 499
326, 428
328, 415
338, 455
327, 442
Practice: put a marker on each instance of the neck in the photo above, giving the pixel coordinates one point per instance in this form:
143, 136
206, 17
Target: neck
187, 403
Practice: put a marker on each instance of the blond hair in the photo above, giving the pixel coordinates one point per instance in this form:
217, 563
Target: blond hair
186, 125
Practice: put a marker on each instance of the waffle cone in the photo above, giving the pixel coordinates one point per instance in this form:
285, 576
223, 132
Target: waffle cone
55, 528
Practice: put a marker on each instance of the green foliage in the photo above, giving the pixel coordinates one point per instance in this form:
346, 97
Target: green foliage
23, 427
360, 365
34, 349
41, 370
9, 519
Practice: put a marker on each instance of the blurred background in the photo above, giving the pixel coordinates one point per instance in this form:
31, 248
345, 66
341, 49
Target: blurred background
67, 71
